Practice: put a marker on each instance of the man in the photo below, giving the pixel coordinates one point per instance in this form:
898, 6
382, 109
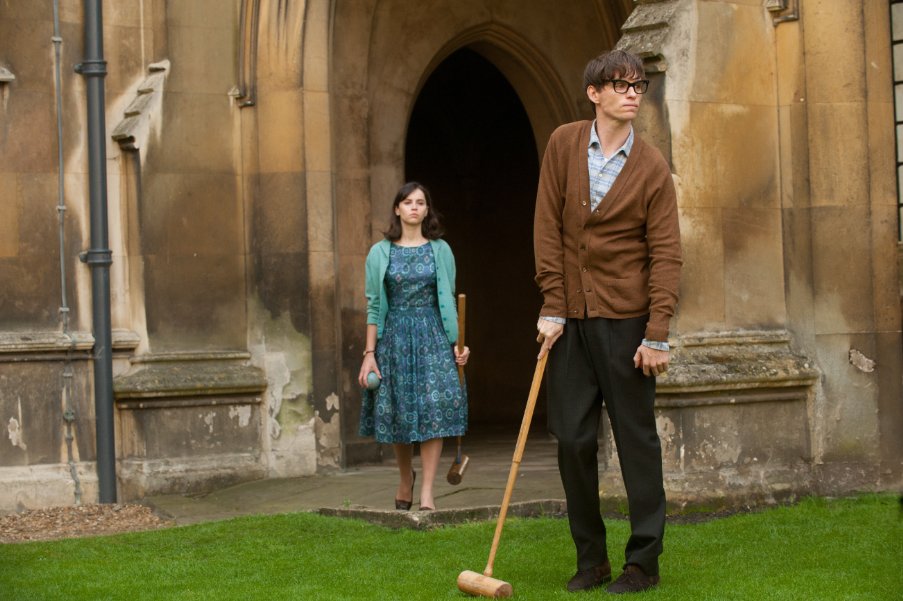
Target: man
607, 248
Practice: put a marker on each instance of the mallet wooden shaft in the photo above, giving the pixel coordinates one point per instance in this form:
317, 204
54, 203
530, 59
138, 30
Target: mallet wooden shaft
460, 461
518, 454
462, 306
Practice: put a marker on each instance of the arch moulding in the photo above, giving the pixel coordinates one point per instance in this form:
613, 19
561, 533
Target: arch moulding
537, 84
535, 81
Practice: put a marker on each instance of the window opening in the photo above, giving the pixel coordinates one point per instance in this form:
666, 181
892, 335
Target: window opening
896, 21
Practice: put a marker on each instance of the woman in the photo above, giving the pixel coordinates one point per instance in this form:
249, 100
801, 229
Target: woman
412, 328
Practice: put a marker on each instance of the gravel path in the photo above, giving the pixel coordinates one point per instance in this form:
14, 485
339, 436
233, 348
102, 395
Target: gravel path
75, 521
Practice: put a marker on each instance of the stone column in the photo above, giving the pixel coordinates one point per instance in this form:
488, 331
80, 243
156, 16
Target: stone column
777, 124
292, 331
713, 113
844, 56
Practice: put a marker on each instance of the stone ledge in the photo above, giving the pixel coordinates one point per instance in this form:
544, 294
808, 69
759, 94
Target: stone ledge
183, 402
680, 509
140, 477
190, 375
425, 520
188, 356
46, 484
736, 361
731, 397
44, 341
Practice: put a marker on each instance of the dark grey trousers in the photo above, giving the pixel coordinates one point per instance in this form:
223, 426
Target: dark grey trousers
589, 367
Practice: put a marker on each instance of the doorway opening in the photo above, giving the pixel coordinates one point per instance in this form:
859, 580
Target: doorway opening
470, 142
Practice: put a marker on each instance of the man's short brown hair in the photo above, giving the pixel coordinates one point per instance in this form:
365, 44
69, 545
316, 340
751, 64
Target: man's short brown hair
612, 65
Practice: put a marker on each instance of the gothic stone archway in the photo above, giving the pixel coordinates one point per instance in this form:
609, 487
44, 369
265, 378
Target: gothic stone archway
382, 59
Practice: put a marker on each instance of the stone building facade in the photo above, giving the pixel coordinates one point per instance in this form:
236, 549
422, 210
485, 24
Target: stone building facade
253, 149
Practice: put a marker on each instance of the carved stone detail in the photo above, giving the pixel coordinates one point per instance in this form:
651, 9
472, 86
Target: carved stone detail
132, 130
646, 31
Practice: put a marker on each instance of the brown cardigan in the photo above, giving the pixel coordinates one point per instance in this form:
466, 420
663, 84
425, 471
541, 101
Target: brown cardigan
623, 259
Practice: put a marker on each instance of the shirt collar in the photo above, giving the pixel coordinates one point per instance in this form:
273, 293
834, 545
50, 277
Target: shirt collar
625, 148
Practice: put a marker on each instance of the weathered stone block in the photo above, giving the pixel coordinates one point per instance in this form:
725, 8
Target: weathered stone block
732, 75
753, 268
321, 206
47, 416
23, 113
847, 417
834, 46
733, 418
201, 133
726, 164
196, 53
31, 409
282, 130
354, 216
702, 302
839, 182
317, 131
195, 302
280, 220
191, 213
842, 269
47, 485
10, 207
189, 422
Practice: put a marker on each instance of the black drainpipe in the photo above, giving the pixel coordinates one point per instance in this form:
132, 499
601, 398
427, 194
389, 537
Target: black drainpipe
99, 256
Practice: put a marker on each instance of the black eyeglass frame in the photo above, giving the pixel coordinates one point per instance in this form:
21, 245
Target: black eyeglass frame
636, 85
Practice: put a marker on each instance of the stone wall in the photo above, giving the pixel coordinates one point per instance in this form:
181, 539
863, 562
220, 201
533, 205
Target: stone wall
211, 275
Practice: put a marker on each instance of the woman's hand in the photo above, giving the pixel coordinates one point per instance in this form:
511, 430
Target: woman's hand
368, 365
461, 355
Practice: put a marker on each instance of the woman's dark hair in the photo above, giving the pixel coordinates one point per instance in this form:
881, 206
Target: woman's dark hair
431, 226
611, 65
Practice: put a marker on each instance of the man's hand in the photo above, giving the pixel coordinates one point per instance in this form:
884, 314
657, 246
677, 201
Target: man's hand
653, 362
549, 332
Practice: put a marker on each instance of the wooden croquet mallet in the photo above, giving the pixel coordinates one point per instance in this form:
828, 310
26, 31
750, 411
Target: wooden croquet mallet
456, 471
484, 584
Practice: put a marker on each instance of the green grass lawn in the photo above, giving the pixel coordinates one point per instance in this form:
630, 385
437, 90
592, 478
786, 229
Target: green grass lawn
818, 549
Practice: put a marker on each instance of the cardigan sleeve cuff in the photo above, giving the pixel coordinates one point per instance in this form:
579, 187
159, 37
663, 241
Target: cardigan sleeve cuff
656, 344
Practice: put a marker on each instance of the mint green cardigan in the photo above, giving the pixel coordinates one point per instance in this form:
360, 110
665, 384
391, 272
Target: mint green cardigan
378, 305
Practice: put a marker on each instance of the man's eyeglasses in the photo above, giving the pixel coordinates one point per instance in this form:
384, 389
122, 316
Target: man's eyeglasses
622, 85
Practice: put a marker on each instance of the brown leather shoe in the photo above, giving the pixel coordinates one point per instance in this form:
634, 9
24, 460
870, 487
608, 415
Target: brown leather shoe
590, 578
632, 580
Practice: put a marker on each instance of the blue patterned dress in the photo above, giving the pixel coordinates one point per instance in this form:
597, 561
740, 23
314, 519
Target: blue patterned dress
419, 397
